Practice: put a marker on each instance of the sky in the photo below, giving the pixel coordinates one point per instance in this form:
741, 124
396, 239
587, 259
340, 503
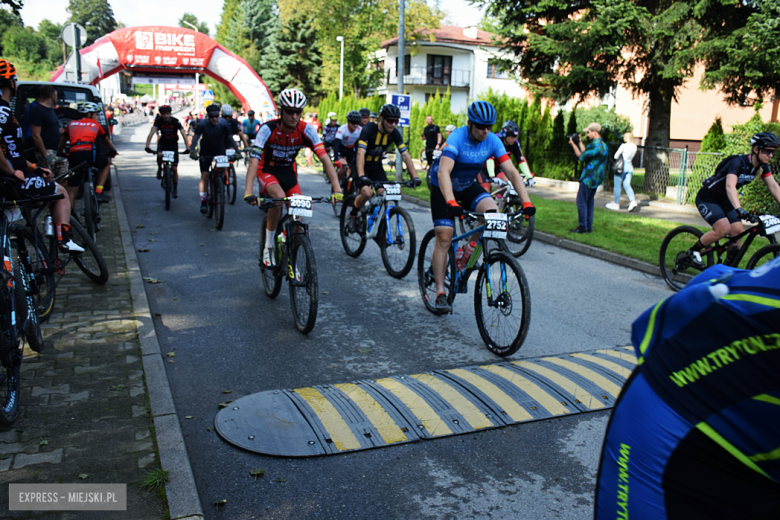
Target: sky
154, 12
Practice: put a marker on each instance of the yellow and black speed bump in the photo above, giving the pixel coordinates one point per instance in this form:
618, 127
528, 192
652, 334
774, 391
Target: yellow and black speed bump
330, 419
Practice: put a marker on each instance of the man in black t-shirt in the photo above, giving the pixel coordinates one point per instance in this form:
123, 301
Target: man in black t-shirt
169, 128
433, 140
215, 136
45, 130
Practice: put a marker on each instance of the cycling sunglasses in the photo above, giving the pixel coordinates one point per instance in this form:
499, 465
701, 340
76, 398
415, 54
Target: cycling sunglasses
482, 127
391, 120
213, 115
292, 111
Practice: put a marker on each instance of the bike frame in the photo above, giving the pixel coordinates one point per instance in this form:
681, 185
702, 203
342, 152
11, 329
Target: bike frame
718, 249
462, 278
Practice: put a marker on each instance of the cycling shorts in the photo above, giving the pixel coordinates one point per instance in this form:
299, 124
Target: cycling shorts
713, 209
267, 179
37, 187
90, 157
251, 138
205, 164
468, 199
376, 175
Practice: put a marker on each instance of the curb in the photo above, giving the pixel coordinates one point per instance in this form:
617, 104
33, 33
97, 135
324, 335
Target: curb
181, 491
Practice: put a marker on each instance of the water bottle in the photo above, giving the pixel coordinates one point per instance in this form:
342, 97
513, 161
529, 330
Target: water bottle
48, 228
467, 252
459, 258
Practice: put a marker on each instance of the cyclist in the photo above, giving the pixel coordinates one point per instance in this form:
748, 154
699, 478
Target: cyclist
216, 136
453, 185
718, 198
431, 136
13, 164
250, 126
273, 160
227, 115
448, 130
329, 131
82, 134
169, 128
365, 115
373, 117
344, 145
372, 144
508, 135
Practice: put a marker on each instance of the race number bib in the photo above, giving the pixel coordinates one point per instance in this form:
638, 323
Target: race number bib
222, 161
495, 225
231, 153
392, 192
300, 206
771, 224
168, 156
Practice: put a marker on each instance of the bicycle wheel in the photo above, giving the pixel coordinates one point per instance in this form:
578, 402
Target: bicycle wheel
398, 245
763, 255
23, 304
231, 188
10, 388
89, 212
502, 304
210, 194
90, 261
520, 232
354, 243
272, 283
425, 277
218, 190
168, 183
676, 267
304, 292
41, 272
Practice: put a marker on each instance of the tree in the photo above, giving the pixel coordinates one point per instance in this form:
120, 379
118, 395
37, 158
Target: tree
15, 6
8, 20
203, 27
96, 16
51, 32
715, 139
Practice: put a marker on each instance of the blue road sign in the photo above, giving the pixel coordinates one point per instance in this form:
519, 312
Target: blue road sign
404, 102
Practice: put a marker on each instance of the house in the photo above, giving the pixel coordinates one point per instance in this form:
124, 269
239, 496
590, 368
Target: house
459, 58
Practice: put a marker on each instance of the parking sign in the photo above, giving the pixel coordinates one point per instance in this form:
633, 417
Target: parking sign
404, 102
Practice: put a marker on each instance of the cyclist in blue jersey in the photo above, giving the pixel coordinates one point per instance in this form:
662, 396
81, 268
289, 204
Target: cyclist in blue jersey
454, 186
250, 126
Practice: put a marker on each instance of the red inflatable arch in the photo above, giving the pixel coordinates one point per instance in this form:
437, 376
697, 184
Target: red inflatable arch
158, 49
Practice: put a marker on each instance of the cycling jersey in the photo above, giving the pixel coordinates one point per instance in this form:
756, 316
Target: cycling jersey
83, 134
329, 132
233, 124
375, 144
469, 157
515, 149
251, 126
169, 132
344, 145
276, 150
215, 138
739, 166
11, 137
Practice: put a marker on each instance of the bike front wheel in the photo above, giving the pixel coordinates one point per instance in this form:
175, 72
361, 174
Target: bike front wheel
677, 268
398, 242
763, 255
304, 291
89, 211
231, 188
272, 283
10, 387
168, 182
354, 243
425, 278
502, 304
520, 232
218, 202
41, 271
24, 303
90, 261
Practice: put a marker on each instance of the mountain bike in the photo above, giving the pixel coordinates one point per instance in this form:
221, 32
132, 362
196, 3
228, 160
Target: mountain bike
168, 158
89, 208
348, 187
230, 180
502, 299
387, 223
293, 259
215, 189
678, 268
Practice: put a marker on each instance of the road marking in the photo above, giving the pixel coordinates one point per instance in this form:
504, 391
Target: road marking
547, 401
337, 428
626, 356
580, 394
432, 422
466, 408
381, 420
516, 412
614, 367
588, 374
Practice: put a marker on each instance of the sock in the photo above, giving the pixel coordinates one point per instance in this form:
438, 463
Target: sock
354, 210
62, 232
59, 232
98, 189
698, 246
269, 239
203, 195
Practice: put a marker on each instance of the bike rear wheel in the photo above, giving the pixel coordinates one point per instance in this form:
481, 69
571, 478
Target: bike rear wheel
41, 271
502, 304
24, 303
231, 188
304, 290
272, 283
168, 183
354, 243
90, 261
520, 232
676, 268
425, 278
10, 388
218, 192
399, 244
763, 255
89, 211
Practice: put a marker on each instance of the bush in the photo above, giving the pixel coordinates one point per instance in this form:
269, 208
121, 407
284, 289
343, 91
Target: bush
715, 140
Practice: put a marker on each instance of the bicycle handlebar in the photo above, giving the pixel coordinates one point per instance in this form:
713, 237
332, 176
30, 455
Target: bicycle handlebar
30, 201
473, 216
406, 184
267, 203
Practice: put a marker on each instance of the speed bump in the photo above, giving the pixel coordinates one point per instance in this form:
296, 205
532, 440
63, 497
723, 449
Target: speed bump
339, 418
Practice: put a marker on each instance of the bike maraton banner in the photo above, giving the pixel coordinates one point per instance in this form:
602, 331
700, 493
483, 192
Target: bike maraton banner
173, 47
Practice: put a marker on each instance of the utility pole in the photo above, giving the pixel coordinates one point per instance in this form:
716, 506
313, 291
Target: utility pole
197, 79
399, 170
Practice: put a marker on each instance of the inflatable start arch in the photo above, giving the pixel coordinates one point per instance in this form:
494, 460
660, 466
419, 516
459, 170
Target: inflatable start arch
158, 49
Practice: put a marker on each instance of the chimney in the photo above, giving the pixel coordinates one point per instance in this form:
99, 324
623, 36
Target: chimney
470, 32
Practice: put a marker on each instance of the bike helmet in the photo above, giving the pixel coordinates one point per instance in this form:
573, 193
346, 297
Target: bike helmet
332, 115
353, 116
482, 113
511, 129
227, 110
764, 140
364, 112
7, 73
391, 111
212, 110
373, 114
292, 98
165, 109
87, 107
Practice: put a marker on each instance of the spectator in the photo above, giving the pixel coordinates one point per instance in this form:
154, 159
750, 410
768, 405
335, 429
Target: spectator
433, 140
627, 150
109, 117
594, 159
373, 117
45, 128
448, 130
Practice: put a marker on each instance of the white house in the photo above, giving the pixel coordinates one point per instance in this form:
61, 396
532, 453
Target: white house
459, 58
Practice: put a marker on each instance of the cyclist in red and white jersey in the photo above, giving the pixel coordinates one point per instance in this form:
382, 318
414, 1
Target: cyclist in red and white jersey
344, 145
273, 160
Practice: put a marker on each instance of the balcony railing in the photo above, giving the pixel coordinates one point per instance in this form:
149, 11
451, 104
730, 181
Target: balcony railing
431, 76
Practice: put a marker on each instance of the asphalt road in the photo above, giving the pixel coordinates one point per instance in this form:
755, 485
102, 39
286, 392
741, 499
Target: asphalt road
211, 311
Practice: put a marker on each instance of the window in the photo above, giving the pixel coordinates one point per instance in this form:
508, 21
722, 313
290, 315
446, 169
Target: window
407, 64
495, 70
380, 65
439, 69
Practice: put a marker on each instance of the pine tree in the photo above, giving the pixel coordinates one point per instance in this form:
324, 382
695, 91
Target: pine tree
715, 140
96, 16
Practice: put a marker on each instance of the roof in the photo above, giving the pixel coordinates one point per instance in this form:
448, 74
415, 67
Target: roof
453, 34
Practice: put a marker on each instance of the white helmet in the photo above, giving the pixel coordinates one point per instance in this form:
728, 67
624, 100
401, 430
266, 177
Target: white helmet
86, 107
332, 115
292, 98
227, 110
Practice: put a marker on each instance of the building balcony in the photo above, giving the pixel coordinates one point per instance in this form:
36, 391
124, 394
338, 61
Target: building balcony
431, 76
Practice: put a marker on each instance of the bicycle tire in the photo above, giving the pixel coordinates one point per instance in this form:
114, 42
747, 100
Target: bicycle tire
304, 289
425, 278
10, 387
675, 267
405, 243
231, 188
272, 283
168, 182
23, 303
219, 202
88, 202
763, 255
210, 194
520, 231
41, 270
501, 268
90, 262
353, 243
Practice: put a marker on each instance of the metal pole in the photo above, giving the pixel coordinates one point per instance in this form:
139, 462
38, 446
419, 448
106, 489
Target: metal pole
399, 172
76, 53
341, 68
197, 79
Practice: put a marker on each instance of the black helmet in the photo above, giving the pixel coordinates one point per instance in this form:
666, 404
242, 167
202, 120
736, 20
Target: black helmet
389, 110
165, 109
364, 112
511, 129
212, 109
764, 140
250, 113
353, 116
